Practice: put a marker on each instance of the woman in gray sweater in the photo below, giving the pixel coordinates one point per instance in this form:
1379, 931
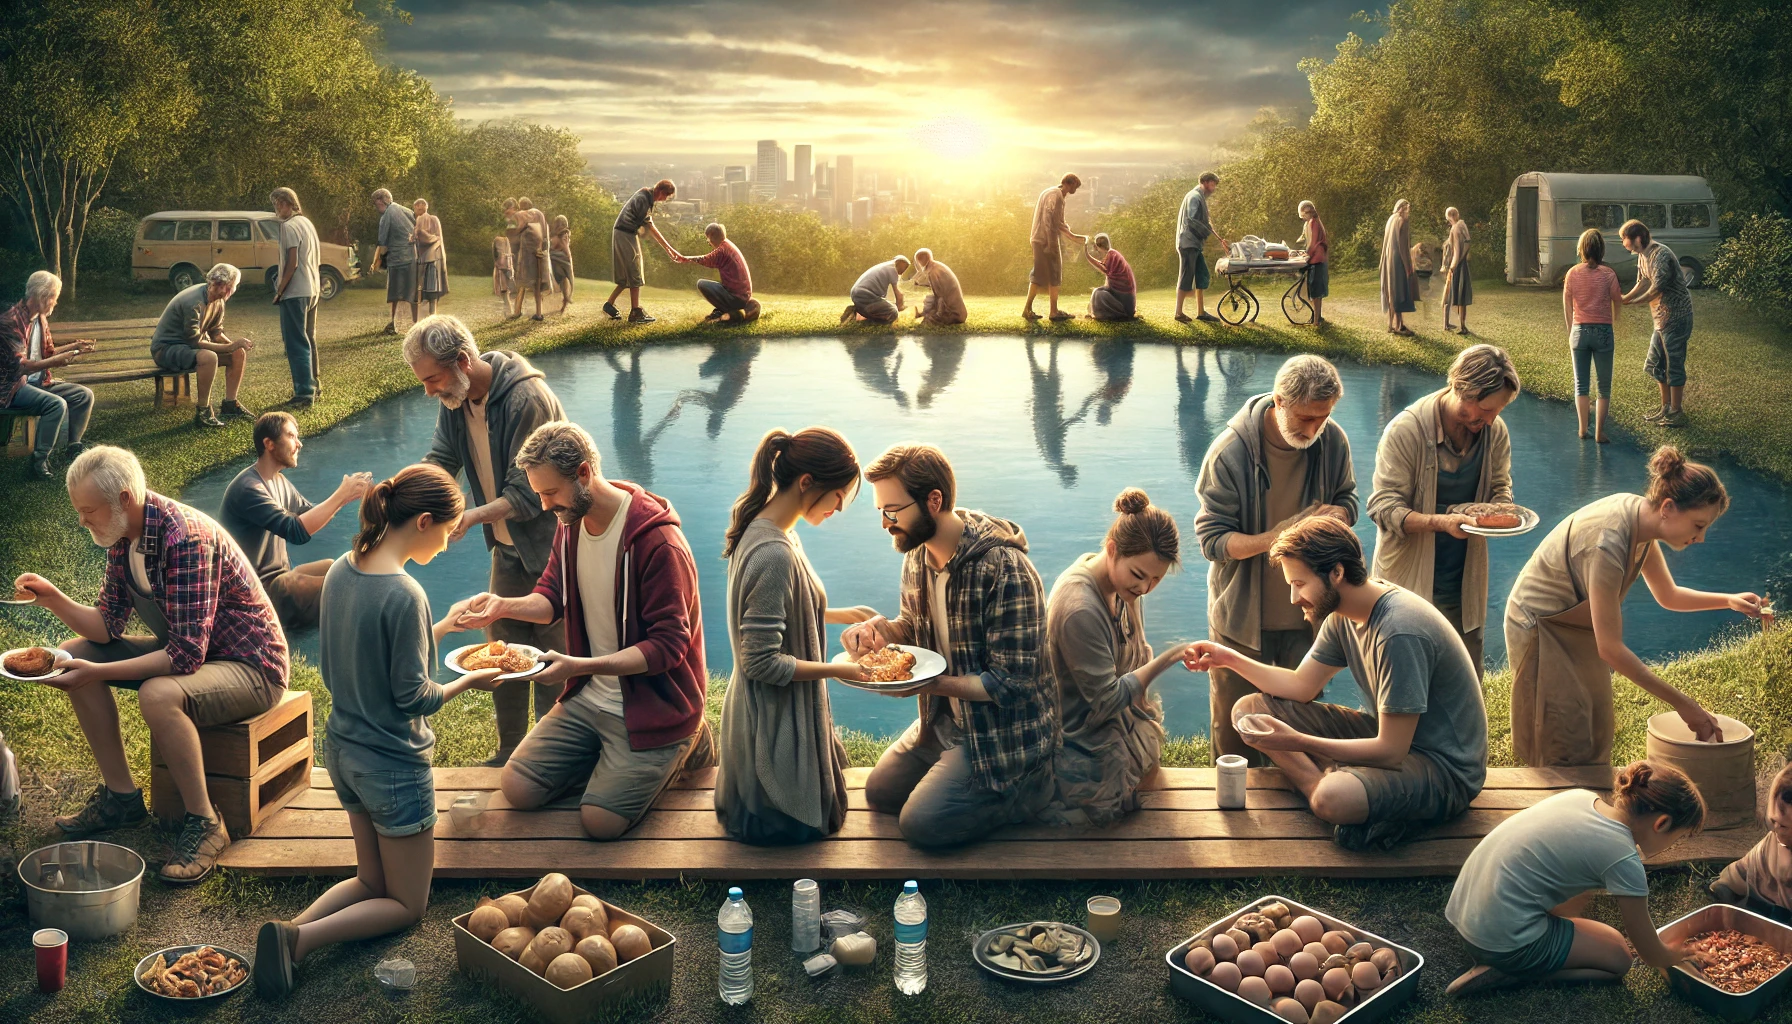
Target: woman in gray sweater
379, 650
782, 776
1095, 645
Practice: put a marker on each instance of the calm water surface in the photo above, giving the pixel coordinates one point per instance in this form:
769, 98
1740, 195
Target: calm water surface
1042, 433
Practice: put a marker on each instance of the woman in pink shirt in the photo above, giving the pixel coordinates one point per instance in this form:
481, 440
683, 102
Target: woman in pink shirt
1590, 300
1116, 299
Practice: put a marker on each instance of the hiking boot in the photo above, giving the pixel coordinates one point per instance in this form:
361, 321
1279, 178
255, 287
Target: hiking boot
639, 316
702, 753
273, 958
196, 849
104, 811
204, 417
610, 311
233, 410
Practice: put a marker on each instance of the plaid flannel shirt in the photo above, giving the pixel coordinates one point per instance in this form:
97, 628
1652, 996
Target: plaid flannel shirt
15, 347
205, 586
996, 622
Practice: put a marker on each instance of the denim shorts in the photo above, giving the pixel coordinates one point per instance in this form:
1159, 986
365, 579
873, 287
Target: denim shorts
1543, 957
400, 802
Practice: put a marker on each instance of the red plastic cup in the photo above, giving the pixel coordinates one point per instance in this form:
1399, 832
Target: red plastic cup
52, 958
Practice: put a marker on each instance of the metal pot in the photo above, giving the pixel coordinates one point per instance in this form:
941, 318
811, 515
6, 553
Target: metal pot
88, 889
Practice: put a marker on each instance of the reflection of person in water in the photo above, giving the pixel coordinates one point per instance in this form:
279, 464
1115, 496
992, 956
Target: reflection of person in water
877, 363
944, 356
732, 361
632, 449
1193, 432
1049, 423
1239, 369
1113, 360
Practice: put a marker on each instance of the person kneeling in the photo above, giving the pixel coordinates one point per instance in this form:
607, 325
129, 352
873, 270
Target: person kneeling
732, 296
622, 578
1420, 756
870, 293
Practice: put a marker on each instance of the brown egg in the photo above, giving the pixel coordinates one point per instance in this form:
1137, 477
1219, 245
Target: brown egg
1310, 993
1244, 939
1199, 961
1226, 975
1268, 951
1287, 942
1281, 979
1290, 1010
1335, 960
1308, 928
1303, 965
1335, 941
1335, 982
1317, 951
1358, 952
1255, 989
1251, 963
1327, 1012
1365, 977
1386, 960
1224, 948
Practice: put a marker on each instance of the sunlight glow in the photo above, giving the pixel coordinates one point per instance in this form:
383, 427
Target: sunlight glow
953, 137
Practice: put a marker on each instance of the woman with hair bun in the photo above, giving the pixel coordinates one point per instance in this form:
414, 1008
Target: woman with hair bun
1565, 618
1519, 899
1095, 646
782, 777
379, 651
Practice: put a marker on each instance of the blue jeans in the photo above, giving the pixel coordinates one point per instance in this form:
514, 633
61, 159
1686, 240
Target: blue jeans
298, 330
720, 297
54, 404
1592, 347
1666, 361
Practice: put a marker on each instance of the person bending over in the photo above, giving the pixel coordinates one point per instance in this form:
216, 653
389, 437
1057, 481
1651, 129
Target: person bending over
870, 294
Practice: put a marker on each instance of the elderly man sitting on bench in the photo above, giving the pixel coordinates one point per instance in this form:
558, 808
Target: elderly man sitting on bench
190, 339
1419, 755
27, 356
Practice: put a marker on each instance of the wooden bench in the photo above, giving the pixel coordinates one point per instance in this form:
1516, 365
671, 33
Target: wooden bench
123, 356
252, 768
1179, 832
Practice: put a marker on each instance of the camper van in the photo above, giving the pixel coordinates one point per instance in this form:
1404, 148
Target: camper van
1546, 213
179, 246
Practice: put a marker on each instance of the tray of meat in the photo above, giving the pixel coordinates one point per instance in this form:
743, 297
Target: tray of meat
1738, 960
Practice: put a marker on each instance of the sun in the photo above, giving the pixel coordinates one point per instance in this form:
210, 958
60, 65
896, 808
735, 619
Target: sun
954, 137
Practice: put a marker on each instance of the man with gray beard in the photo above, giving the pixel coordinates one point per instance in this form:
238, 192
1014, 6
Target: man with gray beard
1280, 460
491, 403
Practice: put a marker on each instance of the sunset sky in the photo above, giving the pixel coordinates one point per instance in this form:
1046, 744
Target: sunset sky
991, 86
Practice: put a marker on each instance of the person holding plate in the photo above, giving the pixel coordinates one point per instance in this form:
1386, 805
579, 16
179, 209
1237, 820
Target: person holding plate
979, 756
782, 776
1565, 616
631, 682
1444, 452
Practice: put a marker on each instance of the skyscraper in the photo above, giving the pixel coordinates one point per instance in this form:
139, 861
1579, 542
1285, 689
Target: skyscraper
766, 178
844, 187
804, 181
782, 175
733, 173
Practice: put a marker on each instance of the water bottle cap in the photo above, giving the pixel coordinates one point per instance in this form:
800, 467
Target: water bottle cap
910, 887
735, 894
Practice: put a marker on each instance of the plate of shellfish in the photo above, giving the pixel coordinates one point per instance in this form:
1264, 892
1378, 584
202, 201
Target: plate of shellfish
894, 667
518, 661
186, 973
1499, 519
1040, 952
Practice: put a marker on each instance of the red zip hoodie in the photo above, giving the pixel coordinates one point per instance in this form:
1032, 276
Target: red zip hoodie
657, 610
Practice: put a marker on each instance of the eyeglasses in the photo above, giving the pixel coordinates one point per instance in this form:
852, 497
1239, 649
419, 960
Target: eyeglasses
889, 514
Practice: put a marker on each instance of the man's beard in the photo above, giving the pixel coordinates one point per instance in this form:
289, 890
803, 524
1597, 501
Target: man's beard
1327, 604
909, 540
1289, 436
286, 460
456, 395
570, 514
112, 533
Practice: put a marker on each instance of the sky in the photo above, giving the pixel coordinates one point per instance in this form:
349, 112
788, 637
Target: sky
993, 86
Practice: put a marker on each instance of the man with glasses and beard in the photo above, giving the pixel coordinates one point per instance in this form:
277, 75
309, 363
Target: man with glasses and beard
621, 576
1419, 755
1281, 459
979, 756
491, 403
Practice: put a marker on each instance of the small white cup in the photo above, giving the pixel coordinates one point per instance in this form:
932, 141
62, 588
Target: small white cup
1229, 791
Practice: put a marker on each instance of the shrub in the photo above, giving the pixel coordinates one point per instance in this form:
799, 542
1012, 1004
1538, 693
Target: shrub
1756, 265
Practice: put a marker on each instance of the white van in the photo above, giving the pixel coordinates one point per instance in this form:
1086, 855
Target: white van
1546, 213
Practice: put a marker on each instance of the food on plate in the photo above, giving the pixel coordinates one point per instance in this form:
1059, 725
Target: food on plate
499, 655
1358, 952
32, 661
487, 921
1308, 928
550, 901
1336, 982
203, 972
1251, 963
1042, 947
568, 970
1496, 515
598, 952
1735, 961
892, 664
1224, 947
1385, 961
631, 943
512, 941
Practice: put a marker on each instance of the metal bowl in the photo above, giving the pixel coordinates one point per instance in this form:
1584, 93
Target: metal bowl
1697, 990
1005, 974
173, 953
88, 889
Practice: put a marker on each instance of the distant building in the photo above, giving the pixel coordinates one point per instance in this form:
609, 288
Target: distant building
843, 183
861, 213
740, 193
768, 175
805, 186
733, 173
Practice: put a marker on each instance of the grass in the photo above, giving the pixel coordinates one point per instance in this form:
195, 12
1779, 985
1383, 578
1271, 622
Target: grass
1735, 356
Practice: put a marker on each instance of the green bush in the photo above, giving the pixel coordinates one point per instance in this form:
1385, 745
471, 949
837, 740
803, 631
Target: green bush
106, 248
1756, 265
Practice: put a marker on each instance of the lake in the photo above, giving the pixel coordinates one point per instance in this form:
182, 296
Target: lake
1044, 433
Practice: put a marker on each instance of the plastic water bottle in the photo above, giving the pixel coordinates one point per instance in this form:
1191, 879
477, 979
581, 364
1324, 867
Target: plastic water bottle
734, 934
805, 916
911, 940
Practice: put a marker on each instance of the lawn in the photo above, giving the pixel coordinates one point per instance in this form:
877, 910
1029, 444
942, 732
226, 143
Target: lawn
1734, 356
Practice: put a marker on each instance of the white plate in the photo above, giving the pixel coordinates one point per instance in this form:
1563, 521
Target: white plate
1528, 523
61, 656
454, 656
927, 665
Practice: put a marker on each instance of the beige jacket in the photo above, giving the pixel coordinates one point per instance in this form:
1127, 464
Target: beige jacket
1406, 481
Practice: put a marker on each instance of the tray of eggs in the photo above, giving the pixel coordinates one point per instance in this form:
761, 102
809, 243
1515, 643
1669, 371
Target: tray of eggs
1277, 960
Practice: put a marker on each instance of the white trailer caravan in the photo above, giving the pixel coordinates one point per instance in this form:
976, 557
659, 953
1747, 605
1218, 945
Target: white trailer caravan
1546, 213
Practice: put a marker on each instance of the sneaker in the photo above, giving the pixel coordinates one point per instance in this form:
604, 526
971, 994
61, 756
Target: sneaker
1375, 835
273, 958
639, 316
74, 450
104, 811
40, 468
390, 328
196, 849
611, 311
1677, 418
702, 752
538, 318
204, 417
301, 402
714, 314
499, 759
233, 410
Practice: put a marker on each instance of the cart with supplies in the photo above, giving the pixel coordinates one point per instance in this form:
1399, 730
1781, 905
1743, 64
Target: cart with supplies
1239, 303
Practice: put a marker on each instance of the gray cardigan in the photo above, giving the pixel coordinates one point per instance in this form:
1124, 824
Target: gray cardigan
1233, 485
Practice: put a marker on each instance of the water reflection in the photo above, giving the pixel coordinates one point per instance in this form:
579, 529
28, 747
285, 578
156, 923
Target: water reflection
732, 362
1050, 425
944, 356
1193, 433
632, 449
1113, 360
877, 362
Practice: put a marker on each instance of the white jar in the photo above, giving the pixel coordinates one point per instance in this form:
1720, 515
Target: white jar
1230, 790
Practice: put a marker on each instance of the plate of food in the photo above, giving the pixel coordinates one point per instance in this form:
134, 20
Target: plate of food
1499, 519
187, 973
895, 667
518, 661
33, 664
1041, 952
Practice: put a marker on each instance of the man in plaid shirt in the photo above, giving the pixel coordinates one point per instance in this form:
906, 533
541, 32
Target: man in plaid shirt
979, 756
216, 655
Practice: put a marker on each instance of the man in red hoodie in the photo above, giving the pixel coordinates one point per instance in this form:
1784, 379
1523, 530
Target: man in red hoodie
621, 577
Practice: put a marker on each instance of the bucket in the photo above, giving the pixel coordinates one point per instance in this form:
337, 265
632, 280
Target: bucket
1724, 772
88, 889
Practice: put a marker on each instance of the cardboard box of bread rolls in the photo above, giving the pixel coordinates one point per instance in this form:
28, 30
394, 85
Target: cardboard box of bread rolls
646, 975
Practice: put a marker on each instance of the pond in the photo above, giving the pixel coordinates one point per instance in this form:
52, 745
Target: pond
1044, 433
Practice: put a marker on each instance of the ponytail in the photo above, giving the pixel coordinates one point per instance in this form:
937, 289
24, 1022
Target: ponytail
1141, 527
414, 491
1644, 788
1689, 485
780, 461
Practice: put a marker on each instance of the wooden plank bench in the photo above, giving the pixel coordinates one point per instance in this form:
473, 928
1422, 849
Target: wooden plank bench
123, 356
252, 768
1178, 832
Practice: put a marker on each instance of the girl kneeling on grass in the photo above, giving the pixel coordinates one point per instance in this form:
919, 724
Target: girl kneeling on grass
1762, 880
1516, 901
379, 649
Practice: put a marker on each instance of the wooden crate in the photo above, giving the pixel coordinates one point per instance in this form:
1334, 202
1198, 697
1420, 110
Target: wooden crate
252, 768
